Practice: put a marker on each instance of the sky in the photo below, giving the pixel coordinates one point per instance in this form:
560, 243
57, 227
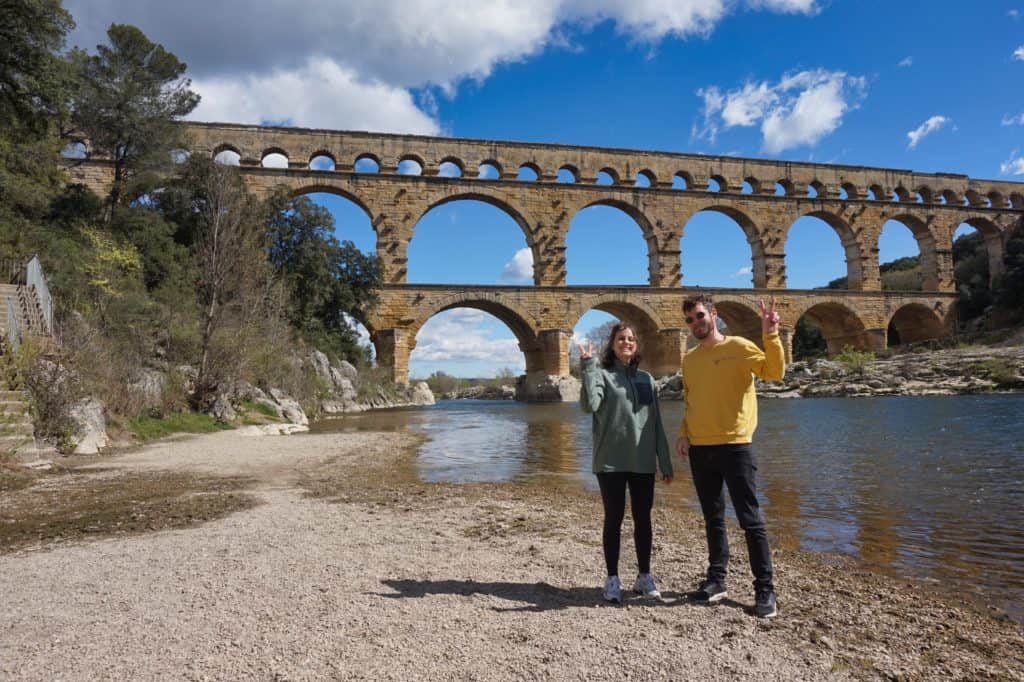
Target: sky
924, 86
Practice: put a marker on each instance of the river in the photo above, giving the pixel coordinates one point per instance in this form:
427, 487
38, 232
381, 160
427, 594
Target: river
930, 488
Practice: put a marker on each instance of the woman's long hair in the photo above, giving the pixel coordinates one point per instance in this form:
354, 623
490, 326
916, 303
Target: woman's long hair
608, 354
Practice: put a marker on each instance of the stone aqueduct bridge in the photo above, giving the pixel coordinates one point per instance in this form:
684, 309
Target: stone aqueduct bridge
855, 201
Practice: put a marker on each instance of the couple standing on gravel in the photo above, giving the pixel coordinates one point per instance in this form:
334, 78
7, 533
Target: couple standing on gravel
720, 415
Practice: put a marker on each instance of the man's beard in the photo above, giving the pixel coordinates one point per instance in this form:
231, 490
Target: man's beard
702, 332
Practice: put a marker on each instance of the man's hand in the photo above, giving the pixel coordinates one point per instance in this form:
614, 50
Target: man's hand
682, 447
769, 318
586, 350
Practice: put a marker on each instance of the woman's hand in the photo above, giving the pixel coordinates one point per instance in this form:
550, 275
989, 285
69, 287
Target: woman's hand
586, 350
667, 478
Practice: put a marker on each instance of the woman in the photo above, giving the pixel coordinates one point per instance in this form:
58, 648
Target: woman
629, 447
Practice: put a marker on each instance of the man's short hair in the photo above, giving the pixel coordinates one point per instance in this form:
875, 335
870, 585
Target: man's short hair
691, 303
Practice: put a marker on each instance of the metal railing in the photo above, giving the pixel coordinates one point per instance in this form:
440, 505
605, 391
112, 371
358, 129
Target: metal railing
13, 332
11, 270
35, 279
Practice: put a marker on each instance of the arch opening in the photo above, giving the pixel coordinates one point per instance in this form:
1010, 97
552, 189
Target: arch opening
721, 247
822, 252
227, 156
471, 339
322, 161
491, 241
900, 247
274, 159
839, 328
367, 164
604, 246
913, 323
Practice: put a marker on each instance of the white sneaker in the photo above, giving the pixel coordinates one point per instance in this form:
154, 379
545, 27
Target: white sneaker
645, 585
612, 589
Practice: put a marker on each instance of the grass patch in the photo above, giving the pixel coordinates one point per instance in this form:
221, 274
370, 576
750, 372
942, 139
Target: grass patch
260, 408
148, 428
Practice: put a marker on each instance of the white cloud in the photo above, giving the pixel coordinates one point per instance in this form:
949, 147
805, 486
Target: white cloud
339, 61
1017, 120
742, 272
320, 94
520, 267
799, 110
461, 335
906, 61
927, 128
361, 331
1019, 53
1014, 165
1013, 13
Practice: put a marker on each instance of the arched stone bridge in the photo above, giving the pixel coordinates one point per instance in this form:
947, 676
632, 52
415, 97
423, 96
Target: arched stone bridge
763, 197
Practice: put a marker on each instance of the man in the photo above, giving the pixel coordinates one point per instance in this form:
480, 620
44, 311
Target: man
716, 432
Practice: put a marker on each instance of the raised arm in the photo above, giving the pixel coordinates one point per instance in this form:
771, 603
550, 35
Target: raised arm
771, 365
592, 384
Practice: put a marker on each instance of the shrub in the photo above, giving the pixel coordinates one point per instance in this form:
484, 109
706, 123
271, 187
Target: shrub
997, 370
855, 360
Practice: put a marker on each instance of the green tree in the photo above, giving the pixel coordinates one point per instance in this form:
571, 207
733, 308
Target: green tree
970, 271
229, 254
31, 34
1009, 290
132, 92
808, 341
327, 280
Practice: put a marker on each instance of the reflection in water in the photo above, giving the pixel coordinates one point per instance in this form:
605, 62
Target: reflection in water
929, 487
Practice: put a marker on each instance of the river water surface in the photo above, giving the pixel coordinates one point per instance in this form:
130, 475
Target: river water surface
926, 487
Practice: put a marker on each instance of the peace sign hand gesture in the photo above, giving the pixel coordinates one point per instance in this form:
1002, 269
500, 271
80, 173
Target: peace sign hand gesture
769, 318
586, 349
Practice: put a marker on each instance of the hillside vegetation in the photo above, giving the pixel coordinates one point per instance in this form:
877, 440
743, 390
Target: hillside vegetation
178, 269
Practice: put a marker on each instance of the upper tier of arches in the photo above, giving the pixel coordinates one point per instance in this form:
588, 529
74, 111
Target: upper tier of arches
514, 161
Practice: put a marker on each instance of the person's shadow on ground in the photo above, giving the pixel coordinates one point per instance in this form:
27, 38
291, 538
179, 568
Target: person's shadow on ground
535, 597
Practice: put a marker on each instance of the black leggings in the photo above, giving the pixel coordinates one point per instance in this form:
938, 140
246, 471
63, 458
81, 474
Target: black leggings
641, 496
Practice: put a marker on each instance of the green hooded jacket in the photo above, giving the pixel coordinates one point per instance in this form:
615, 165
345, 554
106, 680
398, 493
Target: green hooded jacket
627, 429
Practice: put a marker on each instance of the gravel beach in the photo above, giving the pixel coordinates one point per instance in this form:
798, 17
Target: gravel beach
322, 557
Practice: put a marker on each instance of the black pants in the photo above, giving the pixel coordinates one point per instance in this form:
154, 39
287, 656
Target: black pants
713, 465
641, 497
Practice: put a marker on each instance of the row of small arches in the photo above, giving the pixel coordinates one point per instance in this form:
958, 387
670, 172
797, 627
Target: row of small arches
491, 170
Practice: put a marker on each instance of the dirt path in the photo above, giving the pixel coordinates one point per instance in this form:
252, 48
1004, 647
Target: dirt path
321, 557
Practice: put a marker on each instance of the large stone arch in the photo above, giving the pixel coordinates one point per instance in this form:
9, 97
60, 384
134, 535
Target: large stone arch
861, 267
642, 221
841, 327
994, 238
914, 322
660, 347
755, 239
928, 246
394, 346
518, 216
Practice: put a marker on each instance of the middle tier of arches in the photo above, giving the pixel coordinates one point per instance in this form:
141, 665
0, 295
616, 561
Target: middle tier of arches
395, 205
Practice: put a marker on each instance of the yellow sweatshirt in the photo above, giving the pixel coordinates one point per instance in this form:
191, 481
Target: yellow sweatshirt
718, 388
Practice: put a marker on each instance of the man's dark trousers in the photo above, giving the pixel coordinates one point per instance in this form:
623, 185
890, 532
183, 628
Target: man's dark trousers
733, 465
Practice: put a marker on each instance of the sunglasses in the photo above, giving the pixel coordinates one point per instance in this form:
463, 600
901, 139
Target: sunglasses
698, 316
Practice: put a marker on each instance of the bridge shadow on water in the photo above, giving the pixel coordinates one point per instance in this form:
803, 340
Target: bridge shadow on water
539, 597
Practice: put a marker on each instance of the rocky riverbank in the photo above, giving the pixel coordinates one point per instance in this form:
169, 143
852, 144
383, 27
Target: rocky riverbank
323, 556
979, 369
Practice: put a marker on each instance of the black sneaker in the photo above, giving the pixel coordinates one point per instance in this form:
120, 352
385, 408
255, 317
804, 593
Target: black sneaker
709, 591
764, 603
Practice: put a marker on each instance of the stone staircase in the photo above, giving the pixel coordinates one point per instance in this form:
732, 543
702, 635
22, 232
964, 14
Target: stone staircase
16, 431
10, 292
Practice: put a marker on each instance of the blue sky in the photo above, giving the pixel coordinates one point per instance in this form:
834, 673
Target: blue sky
932, 87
